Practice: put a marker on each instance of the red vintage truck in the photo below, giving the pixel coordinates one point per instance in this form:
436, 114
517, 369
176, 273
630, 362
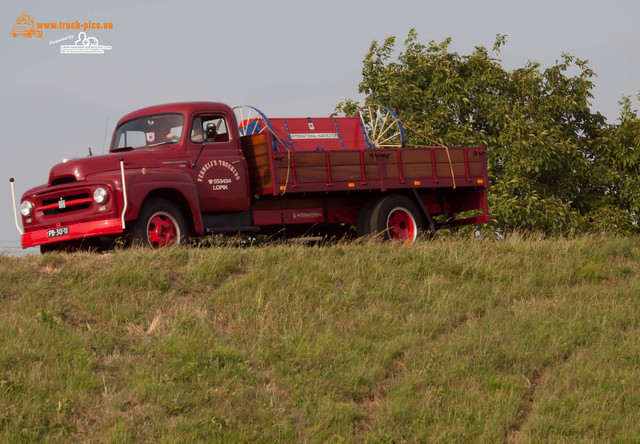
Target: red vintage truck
189, 169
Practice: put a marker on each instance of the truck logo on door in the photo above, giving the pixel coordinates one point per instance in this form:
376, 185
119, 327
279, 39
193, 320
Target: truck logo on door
218, 183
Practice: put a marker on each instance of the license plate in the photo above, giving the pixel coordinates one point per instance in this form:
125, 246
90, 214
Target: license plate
56, 232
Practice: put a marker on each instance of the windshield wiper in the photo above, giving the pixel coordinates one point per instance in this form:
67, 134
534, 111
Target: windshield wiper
161, 143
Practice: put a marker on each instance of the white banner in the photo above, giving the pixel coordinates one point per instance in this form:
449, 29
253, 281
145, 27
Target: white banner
300, 136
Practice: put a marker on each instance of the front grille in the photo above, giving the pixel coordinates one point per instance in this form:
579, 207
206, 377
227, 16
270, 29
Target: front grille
66, 204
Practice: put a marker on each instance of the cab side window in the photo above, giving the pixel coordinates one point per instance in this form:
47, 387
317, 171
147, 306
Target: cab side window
200, 124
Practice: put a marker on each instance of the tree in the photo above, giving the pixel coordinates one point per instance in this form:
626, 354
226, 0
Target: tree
554, 165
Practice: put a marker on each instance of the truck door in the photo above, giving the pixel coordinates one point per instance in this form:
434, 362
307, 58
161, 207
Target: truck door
220, 170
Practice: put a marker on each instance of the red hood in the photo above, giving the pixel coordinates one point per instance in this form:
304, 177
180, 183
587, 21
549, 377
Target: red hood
80, 169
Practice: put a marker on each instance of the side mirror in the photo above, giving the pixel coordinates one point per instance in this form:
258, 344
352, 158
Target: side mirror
210, 132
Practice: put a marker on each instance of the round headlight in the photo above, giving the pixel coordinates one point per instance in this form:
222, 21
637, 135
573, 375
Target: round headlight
26, 208
100, 195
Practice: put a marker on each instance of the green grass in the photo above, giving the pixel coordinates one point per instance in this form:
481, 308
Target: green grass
451, 340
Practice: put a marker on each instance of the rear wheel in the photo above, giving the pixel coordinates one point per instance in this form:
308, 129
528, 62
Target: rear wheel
159, 224
396, 217
363, 226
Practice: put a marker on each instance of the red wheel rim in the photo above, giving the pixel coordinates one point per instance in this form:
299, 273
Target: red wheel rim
162, 230
401, 225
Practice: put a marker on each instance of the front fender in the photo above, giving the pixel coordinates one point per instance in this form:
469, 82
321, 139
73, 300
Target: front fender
142, 183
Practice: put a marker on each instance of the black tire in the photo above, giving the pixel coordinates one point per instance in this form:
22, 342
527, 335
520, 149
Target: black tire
159, 224
363, 226
397, 217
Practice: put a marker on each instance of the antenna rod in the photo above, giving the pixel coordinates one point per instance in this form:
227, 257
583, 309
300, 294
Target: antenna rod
104, 140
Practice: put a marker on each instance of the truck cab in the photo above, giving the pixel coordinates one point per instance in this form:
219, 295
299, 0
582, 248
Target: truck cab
198, 140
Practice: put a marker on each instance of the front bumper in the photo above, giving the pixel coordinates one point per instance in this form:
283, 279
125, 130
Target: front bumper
75, 231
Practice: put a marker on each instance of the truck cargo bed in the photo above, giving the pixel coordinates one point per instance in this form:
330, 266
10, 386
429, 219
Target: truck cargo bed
279, 172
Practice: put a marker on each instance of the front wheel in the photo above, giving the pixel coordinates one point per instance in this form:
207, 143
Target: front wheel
397, 217
159, 224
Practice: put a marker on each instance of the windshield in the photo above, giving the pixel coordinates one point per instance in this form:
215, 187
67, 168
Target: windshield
162, 129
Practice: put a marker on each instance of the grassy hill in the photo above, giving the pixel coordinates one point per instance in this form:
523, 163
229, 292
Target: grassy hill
449, 340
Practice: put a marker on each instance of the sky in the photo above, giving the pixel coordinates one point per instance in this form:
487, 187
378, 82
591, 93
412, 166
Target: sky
287, 58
